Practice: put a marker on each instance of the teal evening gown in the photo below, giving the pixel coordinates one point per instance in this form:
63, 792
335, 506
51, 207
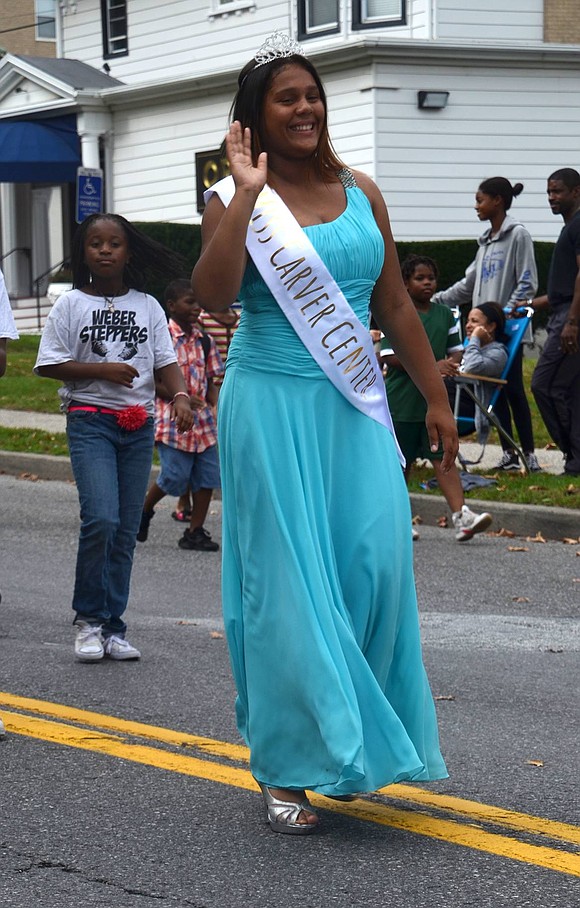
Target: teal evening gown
319, 597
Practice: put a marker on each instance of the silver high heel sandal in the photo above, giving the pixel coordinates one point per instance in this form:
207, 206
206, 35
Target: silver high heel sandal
283, 815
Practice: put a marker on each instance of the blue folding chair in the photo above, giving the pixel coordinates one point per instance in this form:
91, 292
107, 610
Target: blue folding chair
518, 330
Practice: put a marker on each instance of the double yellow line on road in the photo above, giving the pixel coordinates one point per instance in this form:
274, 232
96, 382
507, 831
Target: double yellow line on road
449, 819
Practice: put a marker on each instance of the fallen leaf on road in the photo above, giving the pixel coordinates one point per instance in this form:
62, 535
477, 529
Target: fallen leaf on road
520, 599
442, 521
186, 622
445, 697
535, 762
417, 520
518, 548
537, 538
550, 446
215, 635
31, 477
567, 540
502, 532
552, 649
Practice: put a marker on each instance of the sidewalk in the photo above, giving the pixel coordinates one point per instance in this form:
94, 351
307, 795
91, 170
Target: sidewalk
523, 520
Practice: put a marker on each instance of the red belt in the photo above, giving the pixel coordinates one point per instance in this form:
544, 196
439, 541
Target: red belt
130, 418
92, 409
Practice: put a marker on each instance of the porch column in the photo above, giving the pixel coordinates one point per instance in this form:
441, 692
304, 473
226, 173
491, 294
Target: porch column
91, 125
15, 231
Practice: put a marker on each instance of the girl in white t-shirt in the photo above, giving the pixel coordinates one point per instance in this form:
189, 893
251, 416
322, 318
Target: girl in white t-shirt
105, 340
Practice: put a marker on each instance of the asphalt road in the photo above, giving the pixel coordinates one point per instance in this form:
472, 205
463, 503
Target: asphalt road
115, 818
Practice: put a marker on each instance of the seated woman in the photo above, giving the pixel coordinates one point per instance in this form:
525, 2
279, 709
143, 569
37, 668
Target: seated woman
485, 354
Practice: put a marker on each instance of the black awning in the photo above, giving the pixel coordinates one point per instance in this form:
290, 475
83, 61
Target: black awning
39, 151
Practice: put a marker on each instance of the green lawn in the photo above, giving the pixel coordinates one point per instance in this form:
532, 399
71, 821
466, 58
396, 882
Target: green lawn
32, 441
20, 389
536, 488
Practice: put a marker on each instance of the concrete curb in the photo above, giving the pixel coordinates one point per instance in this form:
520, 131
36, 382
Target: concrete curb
521, 519
42, 466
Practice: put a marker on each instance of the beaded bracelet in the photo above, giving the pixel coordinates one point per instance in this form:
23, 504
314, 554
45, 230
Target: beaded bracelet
179, 394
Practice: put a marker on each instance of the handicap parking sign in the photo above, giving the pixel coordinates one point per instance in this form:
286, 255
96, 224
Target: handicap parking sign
89, 192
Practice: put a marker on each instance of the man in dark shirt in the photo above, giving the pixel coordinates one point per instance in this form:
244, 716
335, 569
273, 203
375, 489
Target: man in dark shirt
556, 379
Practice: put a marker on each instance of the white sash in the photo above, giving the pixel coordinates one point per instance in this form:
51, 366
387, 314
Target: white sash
312, 302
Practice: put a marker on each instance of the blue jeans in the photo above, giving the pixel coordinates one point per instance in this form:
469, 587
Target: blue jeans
111, 467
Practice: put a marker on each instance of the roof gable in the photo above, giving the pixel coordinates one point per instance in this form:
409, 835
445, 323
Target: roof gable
40, 82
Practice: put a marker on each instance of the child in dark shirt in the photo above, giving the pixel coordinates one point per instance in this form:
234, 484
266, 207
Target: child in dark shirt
408, 406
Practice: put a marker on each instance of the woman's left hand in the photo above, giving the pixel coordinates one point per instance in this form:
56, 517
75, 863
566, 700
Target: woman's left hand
442, 430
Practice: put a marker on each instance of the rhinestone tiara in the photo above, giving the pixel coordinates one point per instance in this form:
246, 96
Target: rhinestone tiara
275, 46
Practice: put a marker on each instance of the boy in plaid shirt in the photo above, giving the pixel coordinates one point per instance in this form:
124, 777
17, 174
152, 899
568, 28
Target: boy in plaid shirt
190, 459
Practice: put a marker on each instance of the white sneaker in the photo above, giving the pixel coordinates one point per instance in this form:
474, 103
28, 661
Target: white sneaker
467, 523
119, 648
2, 729
89, 642
414, 534
532, 463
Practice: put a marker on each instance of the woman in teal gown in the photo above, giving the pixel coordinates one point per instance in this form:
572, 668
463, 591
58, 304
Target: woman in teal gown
318, 590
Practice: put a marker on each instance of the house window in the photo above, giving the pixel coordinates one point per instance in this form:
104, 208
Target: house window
317, 17
224, 8
378, 13
115, 38
44, 11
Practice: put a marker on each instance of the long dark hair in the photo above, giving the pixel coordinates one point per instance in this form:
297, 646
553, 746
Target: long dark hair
148, 258
253, 85
495, 314
495, 186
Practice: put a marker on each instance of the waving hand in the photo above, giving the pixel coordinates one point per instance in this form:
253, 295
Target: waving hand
239, 151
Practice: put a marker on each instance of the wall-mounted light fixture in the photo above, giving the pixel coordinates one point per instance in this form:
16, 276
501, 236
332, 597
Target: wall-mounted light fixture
432, 100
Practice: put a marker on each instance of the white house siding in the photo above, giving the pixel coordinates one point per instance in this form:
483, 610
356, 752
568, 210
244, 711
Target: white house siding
154, 147
154, 156
514, 112
420, 19
181, 37
175, 38
501, 120
351, 116
490, 21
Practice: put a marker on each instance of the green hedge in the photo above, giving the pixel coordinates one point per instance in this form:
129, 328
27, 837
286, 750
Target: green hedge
185, 239
452, 256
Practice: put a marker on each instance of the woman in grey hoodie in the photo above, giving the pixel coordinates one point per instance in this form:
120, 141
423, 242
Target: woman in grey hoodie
504, 271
